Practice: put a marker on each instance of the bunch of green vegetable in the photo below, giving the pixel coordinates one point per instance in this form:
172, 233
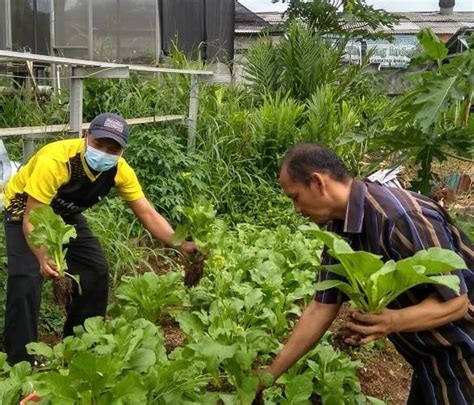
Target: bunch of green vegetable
372, 284
51, 232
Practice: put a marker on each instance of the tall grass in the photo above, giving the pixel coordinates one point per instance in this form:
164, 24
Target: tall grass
127, 245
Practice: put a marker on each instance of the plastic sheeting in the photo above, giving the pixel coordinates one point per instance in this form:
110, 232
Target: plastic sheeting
120, 30
30, 25
71, 28
199, 26
220, 24
123, 30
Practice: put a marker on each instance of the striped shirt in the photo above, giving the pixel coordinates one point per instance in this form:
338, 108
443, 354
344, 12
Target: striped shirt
395, 223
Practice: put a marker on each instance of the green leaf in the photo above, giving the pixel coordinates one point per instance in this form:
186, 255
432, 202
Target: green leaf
299, 389
180, 234
50, 231
40, 349
435, 260
435, 100
341, 285
451, 282
142, 358
434, 48
189, 322
247, 389
213, 352
129, 389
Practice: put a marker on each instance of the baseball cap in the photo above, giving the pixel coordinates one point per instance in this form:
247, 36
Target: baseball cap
110, 125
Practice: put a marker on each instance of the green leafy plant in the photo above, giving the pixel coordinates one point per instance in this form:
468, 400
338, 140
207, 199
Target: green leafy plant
372, 284
148, 295
335, 17
200, 222
120, 361
431, 120
169, 174
302, 62
324, 375
51, 232
12, 380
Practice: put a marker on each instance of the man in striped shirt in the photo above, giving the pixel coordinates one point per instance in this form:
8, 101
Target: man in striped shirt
431, 326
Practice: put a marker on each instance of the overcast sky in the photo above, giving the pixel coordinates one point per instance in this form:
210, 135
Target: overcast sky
389, 5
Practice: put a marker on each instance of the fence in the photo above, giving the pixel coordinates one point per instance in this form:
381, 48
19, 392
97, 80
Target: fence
84, 69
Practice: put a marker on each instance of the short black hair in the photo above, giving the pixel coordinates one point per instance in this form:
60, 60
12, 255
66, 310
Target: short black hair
309, 157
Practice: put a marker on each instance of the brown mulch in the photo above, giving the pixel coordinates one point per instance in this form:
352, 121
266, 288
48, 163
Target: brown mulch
174, 336
386, 375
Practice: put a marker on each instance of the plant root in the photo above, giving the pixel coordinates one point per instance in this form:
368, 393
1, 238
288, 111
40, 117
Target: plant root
194, 269
62, 291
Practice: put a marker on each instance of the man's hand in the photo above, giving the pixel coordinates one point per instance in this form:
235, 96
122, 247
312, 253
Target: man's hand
187, 248
372, 326
266, 379
47, 268
430, 313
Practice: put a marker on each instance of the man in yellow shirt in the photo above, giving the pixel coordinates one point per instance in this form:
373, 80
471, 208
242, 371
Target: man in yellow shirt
70, 176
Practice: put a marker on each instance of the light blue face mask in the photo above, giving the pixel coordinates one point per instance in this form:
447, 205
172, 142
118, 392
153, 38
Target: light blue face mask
98, 160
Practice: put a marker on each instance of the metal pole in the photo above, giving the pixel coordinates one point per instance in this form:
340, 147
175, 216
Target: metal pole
90, 29
75, 104
28, 147
193, 112
157, 32
118, 31
52, 40
35, 26
8, 25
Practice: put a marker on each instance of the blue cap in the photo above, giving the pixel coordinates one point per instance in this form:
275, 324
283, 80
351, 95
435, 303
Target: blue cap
110, 125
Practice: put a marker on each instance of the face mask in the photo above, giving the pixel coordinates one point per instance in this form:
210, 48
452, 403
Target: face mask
100, 161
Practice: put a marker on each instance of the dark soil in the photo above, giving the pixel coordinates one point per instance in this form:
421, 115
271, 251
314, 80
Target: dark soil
258, 400
62, 290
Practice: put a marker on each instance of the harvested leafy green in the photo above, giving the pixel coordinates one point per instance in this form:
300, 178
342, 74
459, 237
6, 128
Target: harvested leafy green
372, 284
50, 231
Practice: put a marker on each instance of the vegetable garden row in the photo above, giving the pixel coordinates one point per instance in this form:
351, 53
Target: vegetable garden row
260, 260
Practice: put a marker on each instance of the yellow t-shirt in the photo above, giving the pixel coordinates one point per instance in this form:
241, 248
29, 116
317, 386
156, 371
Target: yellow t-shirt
58, 175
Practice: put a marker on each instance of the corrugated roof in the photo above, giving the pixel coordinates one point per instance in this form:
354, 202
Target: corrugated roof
272, 17
441, 28
413, 23
246, 29
435, 16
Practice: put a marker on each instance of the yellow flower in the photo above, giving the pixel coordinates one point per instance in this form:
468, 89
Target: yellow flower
185, 174
219, 261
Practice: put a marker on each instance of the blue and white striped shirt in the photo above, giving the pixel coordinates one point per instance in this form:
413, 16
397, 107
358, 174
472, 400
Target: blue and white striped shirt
396, 223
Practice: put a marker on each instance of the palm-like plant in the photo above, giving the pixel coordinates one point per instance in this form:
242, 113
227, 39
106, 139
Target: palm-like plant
298, 65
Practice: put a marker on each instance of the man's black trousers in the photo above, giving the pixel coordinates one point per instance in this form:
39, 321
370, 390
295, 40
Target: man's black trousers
24, 283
